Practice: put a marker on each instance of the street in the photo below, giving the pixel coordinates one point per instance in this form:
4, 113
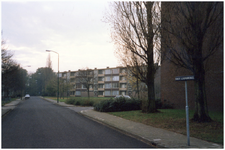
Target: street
36, 123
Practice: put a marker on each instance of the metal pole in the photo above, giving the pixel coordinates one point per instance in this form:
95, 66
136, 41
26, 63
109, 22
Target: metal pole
58, 81
187, 114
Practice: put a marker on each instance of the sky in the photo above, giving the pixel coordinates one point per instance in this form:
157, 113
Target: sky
74, 29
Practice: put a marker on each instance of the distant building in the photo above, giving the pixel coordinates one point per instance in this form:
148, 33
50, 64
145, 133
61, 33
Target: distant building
106, 82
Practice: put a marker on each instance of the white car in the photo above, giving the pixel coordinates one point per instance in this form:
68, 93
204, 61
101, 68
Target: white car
126, 96
27, 96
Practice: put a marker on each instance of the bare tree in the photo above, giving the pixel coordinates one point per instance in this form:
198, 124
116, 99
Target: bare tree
86, 78
135, 32
193, 32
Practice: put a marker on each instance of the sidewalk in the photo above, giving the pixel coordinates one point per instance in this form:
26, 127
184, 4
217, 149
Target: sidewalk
10, 106
159, 137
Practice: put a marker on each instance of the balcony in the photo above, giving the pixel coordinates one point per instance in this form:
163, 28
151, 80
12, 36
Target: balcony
101, 82
122, 89
101, 75
101, 89
123, 81
122, 74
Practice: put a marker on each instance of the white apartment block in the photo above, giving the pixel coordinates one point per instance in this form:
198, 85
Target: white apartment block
107, 82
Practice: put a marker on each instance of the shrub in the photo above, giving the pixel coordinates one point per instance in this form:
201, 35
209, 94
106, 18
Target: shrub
69, 101
118, 104
76, 102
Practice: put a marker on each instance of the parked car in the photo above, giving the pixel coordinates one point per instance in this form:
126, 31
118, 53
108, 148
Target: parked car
126, 96
27, 96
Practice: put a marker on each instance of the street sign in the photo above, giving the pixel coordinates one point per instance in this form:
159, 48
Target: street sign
184, 78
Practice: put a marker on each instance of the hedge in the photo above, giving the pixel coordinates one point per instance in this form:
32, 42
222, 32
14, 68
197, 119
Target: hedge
118, 104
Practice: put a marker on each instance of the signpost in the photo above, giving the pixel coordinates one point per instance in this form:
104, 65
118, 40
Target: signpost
186, 78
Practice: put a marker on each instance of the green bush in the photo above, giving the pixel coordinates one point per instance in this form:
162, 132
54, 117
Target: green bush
80, 102
118, 104
69, 101
76, 102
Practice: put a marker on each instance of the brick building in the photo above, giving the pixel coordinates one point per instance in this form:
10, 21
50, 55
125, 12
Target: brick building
174, 91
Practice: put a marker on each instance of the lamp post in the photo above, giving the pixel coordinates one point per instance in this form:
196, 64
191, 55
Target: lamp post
58, 73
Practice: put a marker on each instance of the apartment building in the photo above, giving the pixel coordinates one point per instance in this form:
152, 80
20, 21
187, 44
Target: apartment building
107, 82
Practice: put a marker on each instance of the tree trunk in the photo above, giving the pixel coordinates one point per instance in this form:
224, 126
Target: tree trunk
138, 88
151, 96
88, 92
150, 63
201, 109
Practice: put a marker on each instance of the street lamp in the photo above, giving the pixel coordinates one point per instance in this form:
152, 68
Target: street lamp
58, 73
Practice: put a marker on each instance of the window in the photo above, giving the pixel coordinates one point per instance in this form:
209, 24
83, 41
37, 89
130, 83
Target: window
122, 78
123, 85
100, 78
89, 73
100, 92
115, 78
115, 85
83, 86
108, 85
107, 93
90, 79
100, 72
101, 86
122, 92
77, 93
114, 93
72, 74
78, 85
115, 71
72, 80
64, 74
122, 70
108, 71
90, 86
107, 78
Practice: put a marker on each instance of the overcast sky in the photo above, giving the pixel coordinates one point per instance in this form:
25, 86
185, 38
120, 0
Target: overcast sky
74, 29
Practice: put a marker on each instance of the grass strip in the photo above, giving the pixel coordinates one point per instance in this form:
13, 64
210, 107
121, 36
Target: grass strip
175, 120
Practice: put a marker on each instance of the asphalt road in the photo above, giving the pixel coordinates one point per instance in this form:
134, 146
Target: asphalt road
36, 123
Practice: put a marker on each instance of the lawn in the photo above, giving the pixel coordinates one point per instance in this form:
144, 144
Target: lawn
174, 120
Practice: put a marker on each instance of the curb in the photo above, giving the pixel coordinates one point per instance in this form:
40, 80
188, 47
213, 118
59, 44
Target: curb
8, 109
151, 143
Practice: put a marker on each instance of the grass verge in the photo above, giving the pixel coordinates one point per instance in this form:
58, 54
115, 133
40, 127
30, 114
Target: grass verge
12, 99
174, 120
55, 98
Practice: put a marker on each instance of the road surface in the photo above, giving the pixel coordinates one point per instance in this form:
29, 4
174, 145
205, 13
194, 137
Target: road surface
36, 123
